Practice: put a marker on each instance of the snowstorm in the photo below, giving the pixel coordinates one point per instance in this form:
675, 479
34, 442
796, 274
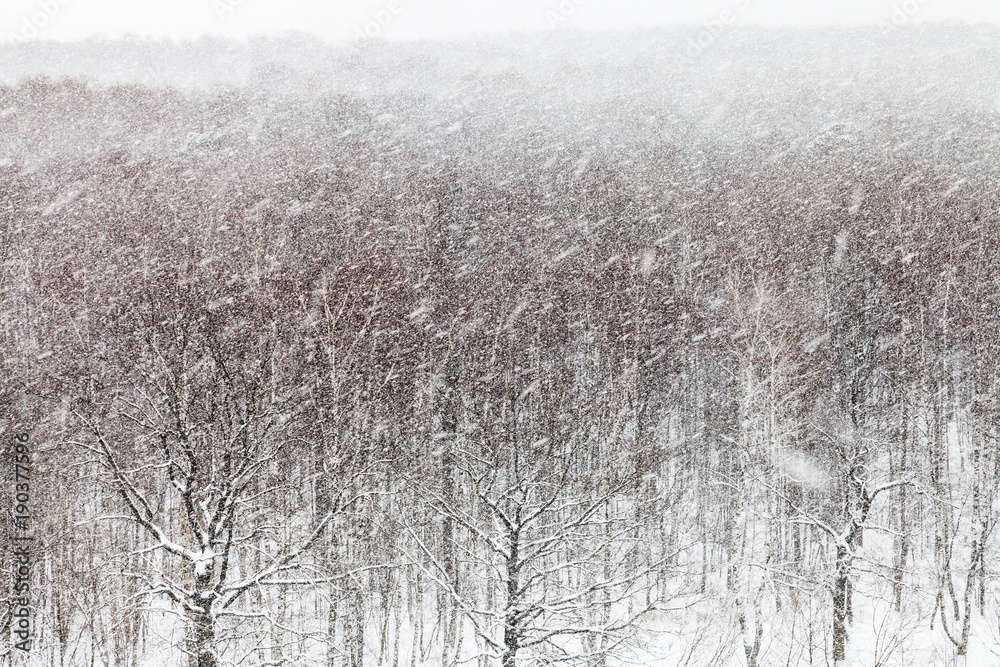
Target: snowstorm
420, 333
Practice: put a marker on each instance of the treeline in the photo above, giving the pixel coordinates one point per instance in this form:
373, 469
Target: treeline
308, 392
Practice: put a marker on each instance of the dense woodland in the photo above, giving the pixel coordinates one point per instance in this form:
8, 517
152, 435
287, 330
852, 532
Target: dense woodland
516, 367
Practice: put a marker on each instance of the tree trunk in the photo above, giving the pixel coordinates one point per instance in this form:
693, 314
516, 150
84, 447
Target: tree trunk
750, 649
331, 624
509, 658
201, 640
277, 631
841, 592
354, 630
901, 542
512, 620
449, 428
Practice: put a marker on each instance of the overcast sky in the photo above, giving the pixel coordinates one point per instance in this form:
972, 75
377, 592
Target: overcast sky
341, 20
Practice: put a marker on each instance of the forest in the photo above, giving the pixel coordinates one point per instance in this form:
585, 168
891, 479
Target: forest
430, 355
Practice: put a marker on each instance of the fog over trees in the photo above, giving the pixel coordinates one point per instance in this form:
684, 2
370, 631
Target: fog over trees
584, 350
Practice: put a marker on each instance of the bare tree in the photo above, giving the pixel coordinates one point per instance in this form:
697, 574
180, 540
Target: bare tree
553, 544
199, 439
857, 491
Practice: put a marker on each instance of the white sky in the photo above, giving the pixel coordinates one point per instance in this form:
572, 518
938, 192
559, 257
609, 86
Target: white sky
339, 20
